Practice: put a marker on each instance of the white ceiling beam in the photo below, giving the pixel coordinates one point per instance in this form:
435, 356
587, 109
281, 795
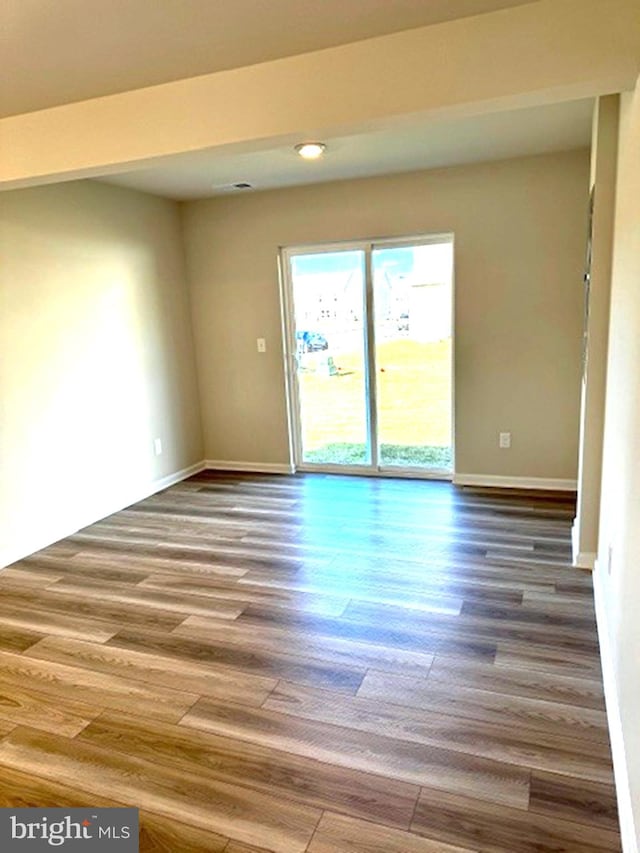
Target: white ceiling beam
539, 53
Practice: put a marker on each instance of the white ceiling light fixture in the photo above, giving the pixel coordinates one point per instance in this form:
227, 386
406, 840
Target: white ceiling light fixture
311, 150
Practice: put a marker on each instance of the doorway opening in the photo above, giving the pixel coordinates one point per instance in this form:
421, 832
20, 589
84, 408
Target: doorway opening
369, 356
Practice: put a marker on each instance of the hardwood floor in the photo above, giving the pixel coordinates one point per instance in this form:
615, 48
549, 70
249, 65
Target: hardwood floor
313, 663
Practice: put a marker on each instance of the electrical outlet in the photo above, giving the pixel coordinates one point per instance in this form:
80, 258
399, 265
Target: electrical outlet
505, 440
157, 446
262, 345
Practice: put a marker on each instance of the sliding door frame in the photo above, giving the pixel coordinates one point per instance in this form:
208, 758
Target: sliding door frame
292, 386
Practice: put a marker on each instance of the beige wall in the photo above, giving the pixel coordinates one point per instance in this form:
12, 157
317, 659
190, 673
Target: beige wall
618, 592
96, 357
520, 229
604, 152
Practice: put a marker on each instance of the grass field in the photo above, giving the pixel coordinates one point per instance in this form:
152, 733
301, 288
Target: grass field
414, 406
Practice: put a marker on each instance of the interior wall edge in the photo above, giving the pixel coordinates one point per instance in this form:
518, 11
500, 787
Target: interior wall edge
581, 559
628, 832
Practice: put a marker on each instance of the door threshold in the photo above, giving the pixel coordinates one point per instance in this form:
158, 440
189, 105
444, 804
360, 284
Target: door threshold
363, 471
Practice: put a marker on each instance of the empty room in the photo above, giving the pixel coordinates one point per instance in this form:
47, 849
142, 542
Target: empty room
319, 417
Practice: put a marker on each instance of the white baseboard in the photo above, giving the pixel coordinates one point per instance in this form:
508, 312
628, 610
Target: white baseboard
255, 467
172, 479
580, 559
36, 543
496, 481
584, 560
629, 835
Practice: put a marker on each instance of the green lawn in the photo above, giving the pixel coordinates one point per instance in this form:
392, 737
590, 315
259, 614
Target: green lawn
414, 406
343, 453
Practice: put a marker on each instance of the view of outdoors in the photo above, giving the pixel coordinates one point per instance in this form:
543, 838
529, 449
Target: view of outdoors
412, 297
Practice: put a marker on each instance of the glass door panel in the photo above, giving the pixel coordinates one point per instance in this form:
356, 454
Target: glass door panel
329, 330
413, 354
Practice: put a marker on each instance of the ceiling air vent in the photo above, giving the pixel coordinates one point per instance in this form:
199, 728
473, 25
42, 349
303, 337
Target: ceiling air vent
232, 188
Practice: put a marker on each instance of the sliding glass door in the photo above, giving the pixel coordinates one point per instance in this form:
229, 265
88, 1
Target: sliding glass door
330, 357
369, 355
413, 312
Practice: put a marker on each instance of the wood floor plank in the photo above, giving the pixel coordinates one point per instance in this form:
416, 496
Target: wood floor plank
225, 555
534, 614
30, 790
570, 721
144, 599
398, 587
17, 639
22, 706
243, 814
460, 820
417, 764
289, 666
63, 683
373, 630
164, 835
24, 619
6, 726
548, 659
524, 748
237, 847
287, 663
486, 625
283, 774
77, 598
157, 834
515, 681
589, 803
335, 650
104, 563
21, 578
339, 834
315, 602
184, 675
570, 603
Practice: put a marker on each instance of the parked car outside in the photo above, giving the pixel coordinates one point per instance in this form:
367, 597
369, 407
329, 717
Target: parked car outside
403, 323
311, 341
